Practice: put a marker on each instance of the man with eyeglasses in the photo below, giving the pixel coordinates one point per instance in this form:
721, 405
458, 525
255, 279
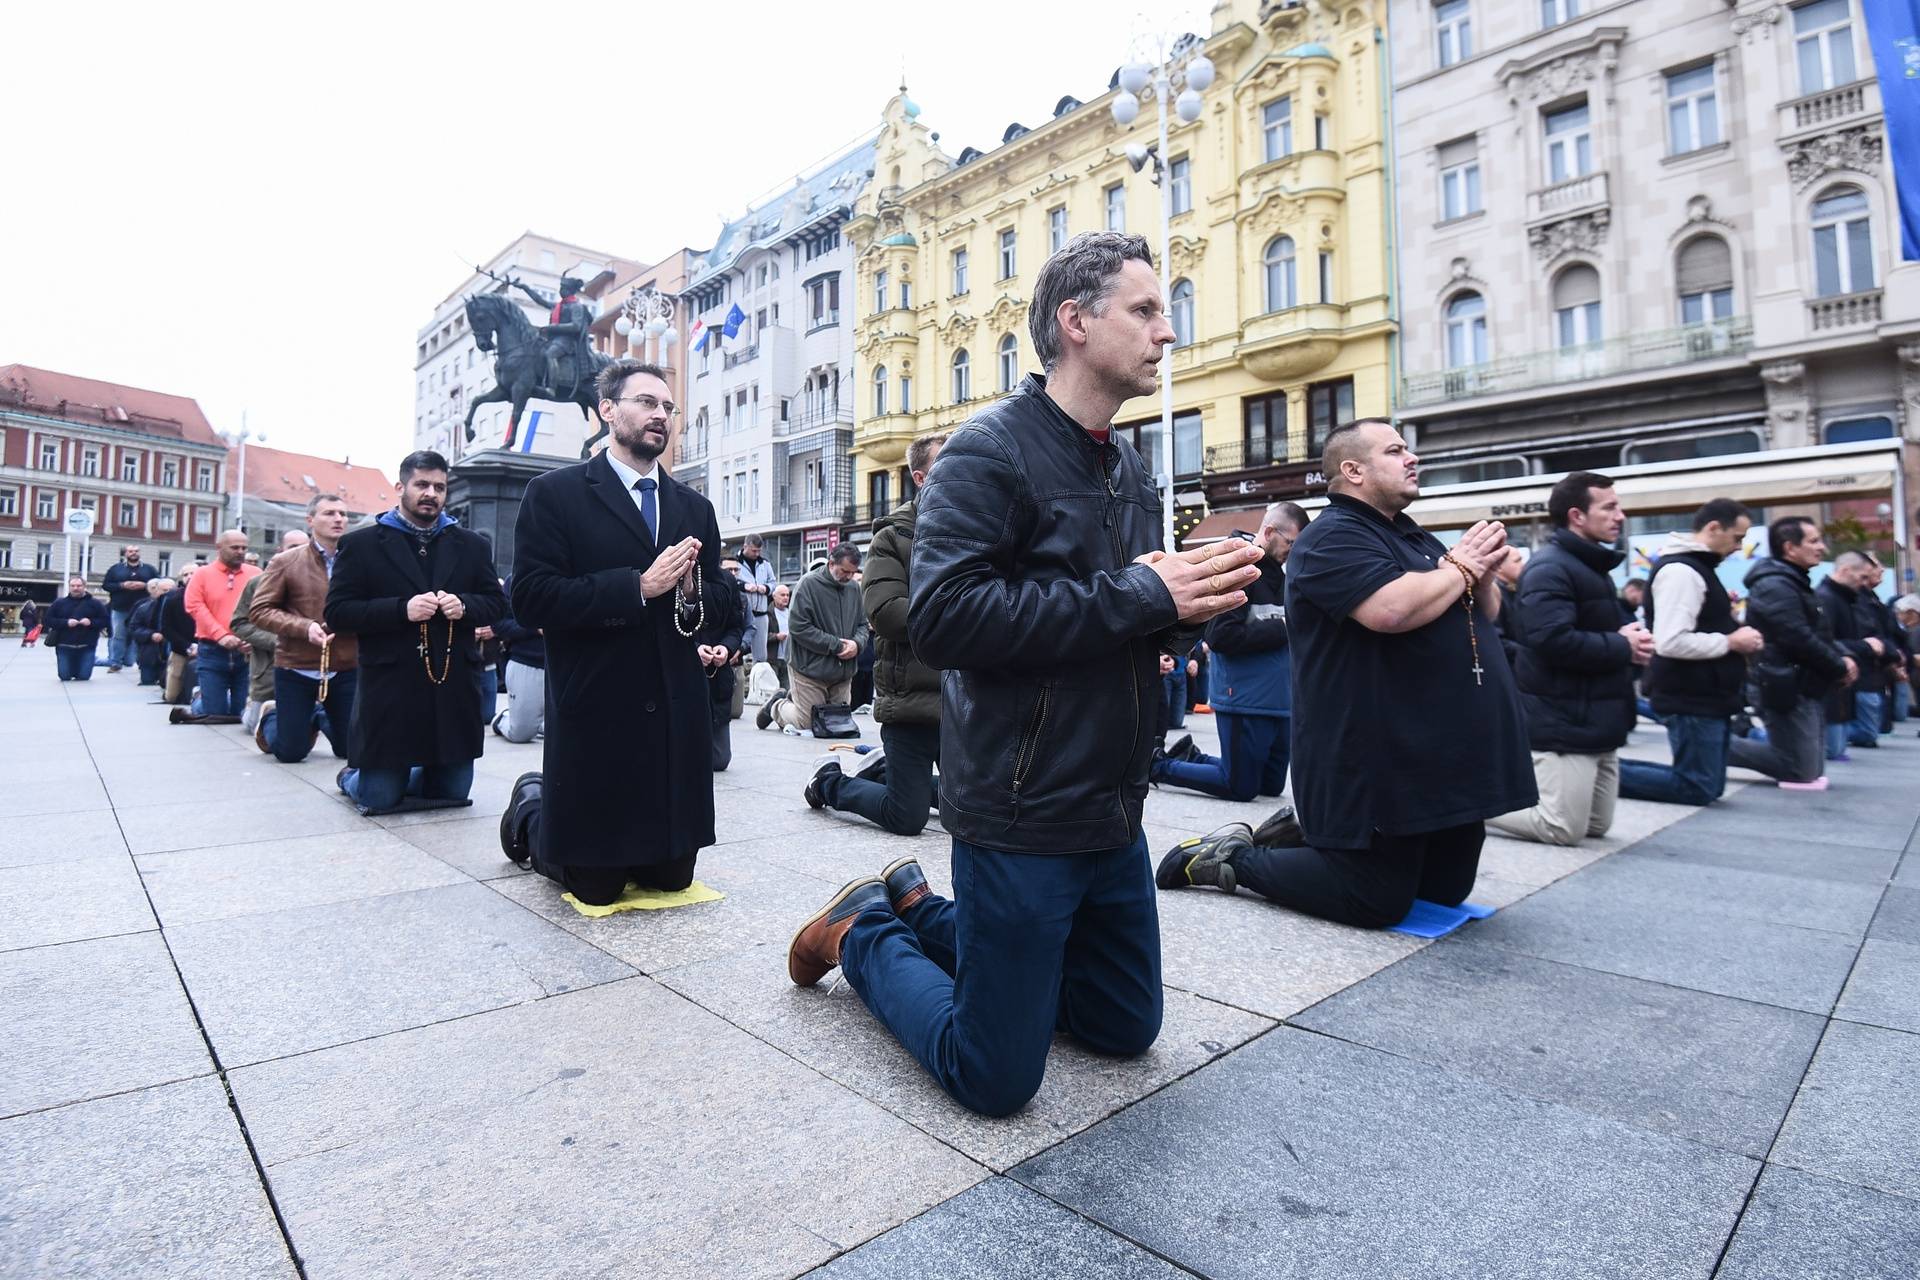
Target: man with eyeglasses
618, 564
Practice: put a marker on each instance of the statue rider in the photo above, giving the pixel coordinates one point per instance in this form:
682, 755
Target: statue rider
569, 358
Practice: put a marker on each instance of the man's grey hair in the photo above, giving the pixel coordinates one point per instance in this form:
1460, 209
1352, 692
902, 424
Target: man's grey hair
1851, 560
1907, 604
1290, 514
1084, 271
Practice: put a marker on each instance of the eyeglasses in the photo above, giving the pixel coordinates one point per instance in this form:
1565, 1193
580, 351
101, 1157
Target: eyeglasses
647, 404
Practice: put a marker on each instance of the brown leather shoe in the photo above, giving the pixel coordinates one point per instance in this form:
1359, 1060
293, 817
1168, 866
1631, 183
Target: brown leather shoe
906, 883
815, 949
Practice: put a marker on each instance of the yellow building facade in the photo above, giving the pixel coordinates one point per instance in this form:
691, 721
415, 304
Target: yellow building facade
1279, 250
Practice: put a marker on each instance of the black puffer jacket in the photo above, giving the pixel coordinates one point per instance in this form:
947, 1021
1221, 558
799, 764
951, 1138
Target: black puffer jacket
1782, 607
1841, 606
1026, 596
1576, 669
905, 689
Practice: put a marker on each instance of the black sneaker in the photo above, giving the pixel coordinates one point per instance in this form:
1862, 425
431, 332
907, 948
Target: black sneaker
1180, 749
1202, 860
1281, 831
815, 798
513, 833
764, 717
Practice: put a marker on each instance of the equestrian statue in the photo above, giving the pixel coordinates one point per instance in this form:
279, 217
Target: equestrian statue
554, 362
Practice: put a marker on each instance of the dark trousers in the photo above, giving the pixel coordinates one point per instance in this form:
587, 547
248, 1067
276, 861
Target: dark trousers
1254, 752
597, 886
1174, 689
1698, 774
222, 675
152, 659
74, 661
975, 987
381, 790
720, 694
1371, 888
297, 712
1795, 748
901, 802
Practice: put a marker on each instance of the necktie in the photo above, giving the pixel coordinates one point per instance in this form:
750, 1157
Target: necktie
648, 510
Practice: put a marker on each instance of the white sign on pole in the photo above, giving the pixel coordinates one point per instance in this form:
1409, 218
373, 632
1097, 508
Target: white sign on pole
79, 527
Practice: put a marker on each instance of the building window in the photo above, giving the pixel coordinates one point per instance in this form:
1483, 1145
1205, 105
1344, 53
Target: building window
9, 502
1853, 430
166, 519
1328, 405
1466, 330
1188, 444
1569, 143
1704, 273
879, 291
1116, 197
43, 557
202, 520
130, 468
1056, 229
203, 477
1009, 259
1459, 178
1453, 31
128, 516
90, 461
753, 489
1182, 312
1264, 429
959, 271
1576, 307
6, 555
1842, 243
1693, 113
170, 474
1276, 129
1555, 12
1823, 44
823, 301
49, 455
1180, 172
962, 376
165, 566
45, 504
1008, 362
1283, 285
1326, 276
879, 486
906, 393
880, 392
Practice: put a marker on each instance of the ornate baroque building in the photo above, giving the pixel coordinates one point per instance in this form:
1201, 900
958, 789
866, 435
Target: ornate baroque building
1279, 259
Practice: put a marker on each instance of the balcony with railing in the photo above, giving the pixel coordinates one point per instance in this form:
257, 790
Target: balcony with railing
1635, 353
1564, 199
815, 419
1829, 109
813, 508
734, 359
1846, 311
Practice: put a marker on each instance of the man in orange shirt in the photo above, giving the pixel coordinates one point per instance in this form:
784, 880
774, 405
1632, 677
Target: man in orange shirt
220, 663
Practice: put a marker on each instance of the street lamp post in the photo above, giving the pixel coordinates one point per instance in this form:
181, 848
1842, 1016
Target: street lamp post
1194, 72
239, 439
646, 322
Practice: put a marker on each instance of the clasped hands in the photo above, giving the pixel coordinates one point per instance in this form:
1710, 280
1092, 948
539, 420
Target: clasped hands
1206, 581
672, 567
428, 603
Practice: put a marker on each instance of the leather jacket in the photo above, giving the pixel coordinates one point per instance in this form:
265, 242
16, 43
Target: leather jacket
1026, 597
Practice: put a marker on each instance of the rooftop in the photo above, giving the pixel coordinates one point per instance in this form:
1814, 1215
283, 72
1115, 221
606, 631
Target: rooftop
274, 475
94, 402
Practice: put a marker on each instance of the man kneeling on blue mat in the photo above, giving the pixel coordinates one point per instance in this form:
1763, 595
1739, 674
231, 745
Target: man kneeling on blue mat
1407, 727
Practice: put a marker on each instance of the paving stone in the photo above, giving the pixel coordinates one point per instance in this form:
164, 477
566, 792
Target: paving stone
1301, 1156
1698, 1066
999, 1230
274, 875
1898, 919
154, 1183
838, 847
1884, 989
615, 1131
1799, 1227
64, 797
471, 845
48, 902
1524, 862
1797, 817
1740, 851
1742, 934
1857, 1118
86, 1019
288, 981
208, 823
836, 1036
1490, 891
1908, 876
26, 839
136, 782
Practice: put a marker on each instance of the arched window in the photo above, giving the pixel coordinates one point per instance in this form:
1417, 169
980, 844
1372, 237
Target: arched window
1009, 362
1703, 273
880, 392
1283, 281
1576, 306
1182, 296
962, 376
1466, 330
1842, 243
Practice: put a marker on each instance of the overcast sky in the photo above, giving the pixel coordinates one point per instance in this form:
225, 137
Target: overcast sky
258, 205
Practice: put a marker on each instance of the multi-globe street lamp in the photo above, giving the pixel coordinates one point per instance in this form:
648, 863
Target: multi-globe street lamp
239, 438
646, 322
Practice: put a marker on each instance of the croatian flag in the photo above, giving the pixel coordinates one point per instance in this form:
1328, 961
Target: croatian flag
699, 335
533, 429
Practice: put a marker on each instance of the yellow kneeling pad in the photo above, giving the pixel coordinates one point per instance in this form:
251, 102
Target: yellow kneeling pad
637, 899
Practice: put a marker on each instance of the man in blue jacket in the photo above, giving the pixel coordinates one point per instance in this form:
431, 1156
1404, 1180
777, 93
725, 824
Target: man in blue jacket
1252, 677
74, 625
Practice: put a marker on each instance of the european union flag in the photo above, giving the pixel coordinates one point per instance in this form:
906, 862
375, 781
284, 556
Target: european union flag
1893, 32
735, 318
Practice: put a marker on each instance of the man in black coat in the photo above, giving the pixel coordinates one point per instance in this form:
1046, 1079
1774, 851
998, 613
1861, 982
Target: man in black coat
76, 621
725, 630
1576, 666
619, 565
414, 587
1800, 665
176, 626
1853, 711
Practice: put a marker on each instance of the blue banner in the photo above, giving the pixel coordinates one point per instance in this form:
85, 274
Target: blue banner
735, 318
1893, 30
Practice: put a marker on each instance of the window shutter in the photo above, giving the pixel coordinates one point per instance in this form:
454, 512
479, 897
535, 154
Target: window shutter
1705, 264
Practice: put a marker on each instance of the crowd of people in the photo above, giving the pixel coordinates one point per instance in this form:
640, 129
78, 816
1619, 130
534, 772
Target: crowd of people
1031, 646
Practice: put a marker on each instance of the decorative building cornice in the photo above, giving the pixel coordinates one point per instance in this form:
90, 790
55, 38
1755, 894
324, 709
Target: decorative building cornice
1859, 150
1563, 69
1757, 18
1007, 314
1582, 233
1784, 373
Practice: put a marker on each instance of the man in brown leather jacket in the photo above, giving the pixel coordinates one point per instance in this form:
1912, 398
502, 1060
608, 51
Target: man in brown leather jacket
314, 671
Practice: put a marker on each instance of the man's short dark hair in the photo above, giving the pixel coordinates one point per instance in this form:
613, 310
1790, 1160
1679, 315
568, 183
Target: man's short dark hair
1291, 514
320, 499
1787, 531
845, 553
752, 540
1574, 493
1083, 270
1724, 512
421, 460
1343, 445
613, 379
918, 452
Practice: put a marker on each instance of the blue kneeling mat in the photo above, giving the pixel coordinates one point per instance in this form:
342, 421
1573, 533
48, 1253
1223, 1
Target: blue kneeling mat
1431, 920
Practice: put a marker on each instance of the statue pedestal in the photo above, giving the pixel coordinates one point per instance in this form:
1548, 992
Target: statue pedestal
484, 491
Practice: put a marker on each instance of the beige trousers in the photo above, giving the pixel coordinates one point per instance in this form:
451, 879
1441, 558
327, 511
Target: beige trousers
1577, 794
804, 694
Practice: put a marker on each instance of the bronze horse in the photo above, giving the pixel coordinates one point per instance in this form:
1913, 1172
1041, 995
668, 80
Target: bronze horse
520, 368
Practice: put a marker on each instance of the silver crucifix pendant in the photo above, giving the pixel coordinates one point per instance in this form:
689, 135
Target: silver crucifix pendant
1477, 669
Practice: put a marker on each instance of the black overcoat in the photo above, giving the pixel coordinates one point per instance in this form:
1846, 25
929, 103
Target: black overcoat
400, 717
629, 745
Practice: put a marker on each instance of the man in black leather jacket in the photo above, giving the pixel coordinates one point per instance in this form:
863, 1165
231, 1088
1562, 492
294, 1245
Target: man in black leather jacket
1800, 664
1040, 590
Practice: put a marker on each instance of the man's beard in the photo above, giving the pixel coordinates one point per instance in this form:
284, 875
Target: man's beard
419, 516
634, 441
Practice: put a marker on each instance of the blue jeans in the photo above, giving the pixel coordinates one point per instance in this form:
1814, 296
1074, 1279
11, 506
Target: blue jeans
1865, 729
1174, 688
288, 728
903, 800
1254, 751
75, 661
1031, 943
120, 645
1902, 700
222, 674
379, 790
1698, 774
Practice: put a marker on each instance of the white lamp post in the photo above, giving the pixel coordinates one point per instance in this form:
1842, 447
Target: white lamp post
239, 439
646, 322
1193, 71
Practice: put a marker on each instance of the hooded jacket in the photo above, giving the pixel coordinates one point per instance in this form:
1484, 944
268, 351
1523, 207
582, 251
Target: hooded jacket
1576, 669
906, 690
1781, 605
